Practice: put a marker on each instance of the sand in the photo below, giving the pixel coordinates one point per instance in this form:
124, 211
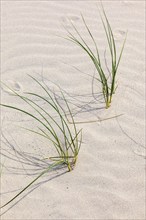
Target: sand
108, 181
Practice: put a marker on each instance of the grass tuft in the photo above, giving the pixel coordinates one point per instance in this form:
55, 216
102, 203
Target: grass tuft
67, 148
107, 83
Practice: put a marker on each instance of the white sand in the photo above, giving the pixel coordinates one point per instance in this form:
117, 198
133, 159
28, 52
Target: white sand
108, 181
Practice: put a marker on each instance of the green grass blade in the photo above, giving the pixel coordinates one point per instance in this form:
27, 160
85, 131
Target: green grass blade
72, 36
41, 174
27, 100
45, 136
71, 136
94, 59
29, 114
63, 121
112, 40
121, 53
92, 38
64, 155
56, 109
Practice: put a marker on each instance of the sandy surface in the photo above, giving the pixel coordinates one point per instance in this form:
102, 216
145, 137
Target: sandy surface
108, 181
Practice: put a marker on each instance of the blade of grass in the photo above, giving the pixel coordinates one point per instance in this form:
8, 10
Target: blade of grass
108, 88
43, 135
41, 174
121, 52
63, 127
64, 156
27, 100
92, 39
56, 105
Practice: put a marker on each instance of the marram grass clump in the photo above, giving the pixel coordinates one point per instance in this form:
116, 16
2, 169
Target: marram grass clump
107, 81
50, 127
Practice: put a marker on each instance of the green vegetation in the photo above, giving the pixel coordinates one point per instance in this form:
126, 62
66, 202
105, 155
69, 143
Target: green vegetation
107, 83
67, 148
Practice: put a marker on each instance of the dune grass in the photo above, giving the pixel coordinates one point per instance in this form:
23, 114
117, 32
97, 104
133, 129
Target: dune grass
67, 147
107, 81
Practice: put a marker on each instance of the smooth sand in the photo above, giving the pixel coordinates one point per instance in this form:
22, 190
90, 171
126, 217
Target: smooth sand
108, 181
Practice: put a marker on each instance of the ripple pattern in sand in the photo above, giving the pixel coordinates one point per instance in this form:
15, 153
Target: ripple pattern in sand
108, 182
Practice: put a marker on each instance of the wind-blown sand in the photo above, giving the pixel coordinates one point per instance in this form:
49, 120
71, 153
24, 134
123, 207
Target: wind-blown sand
108, 181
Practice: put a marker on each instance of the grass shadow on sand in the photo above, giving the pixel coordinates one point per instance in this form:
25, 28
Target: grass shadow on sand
85, 105
29, 166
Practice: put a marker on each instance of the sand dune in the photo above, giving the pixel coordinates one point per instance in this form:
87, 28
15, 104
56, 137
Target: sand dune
108, 181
